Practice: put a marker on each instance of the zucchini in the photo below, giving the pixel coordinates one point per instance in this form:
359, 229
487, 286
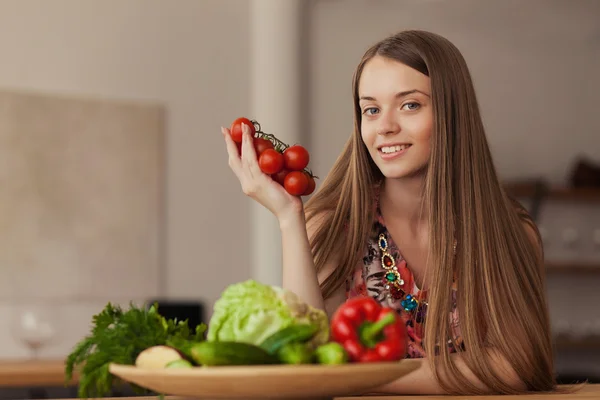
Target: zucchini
230, 353
299, 333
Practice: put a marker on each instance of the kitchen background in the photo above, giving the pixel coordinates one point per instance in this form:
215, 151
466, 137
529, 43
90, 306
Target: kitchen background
114, 178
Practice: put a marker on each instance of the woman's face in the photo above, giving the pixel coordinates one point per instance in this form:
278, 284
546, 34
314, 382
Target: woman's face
397, 117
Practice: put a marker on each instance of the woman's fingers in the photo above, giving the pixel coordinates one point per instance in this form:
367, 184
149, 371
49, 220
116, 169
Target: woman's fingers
249, 159
234, 159
245, 167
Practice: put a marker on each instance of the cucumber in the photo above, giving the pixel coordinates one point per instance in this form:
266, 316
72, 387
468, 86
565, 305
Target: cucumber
230, 353
299, 333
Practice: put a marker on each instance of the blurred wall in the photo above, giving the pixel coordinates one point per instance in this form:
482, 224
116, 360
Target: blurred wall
190, 55
534, 64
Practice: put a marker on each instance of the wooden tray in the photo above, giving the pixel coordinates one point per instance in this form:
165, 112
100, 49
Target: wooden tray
307, 381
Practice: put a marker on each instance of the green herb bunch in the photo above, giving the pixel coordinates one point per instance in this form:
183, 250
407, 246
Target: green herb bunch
118, 336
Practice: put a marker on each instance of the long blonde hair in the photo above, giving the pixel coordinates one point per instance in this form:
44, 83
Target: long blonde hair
501, 289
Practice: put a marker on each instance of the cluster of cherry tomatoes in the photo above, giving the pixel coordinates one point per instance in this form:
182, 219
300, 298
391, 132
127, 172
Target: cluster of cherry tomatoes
285, 164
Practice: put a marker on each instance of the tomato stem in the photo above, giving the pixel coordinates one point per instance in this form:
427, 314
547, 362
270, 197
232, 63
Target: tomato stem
277, 144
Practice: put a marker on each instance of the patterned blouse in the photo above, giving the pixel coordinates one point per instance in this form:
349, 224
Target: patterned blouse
384, 275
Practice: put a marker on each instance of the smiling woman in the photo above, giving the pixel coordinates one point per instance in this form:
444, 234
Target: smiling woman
394, 121
413, 215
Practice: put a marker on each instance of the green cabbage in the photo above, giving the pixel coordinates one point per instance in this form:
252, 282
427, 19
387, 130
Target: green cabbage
250, 312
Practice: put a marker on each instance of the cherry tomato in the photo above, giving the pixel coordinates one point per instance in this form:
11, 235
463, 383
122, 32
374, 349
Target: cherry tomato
296, 183
236, 129
296, 158
261, 145
280, 176
270, 161
311, 185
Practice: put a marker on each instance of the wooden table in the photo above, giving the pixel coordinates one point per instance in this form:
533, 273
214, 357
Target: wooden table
51, 373
588, 392
33, 373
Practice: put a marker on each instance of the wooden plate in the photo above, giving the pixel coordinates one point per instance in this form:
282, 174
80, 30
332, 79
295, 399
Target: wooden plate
268, 381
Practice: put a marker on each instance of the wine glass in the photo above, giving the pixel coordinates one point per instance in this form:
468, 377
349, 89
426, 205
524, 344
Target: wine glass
35, 324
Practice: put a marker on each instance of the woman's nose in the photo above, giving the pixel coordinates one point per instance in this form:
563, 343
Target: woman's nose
389, 124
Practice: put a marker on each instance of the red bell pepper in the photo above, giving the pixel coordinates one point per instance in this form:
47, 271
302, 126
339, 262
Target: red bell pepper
369, 332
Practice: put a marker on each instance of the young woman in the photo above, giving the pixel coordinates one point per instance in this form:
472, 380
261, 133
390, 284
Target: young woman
413, 214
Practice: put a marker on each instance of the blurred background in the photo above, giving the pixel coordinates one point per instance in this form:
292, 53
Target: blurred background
114, 183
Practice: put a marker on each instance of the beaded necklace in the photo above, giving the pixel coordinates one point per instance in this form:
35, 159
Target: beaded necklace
393, 282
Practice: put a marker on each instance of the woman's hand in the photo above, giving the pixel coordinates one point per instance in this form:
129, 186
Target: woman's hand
255, 183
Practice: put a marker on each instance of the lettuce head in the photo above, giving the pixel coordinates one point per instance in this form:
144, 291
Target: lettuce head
250, 312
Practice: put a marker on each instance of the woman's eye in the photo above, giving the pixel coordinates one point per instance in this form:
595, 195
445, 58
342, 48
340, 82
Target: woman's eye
411, 106
370, 110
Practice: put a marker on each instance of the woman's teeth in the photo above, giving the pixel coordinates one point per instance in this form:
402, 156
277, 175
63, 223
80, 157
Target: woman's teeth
394, 149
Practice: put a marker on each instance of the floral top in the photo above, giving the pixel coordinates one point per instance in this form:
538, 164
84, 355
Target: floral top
384, 275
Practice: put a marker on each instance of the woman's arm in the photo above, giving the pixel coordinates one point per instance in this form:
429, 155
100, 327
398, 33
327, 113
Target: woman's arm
299, 272
422, 380
299, 275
